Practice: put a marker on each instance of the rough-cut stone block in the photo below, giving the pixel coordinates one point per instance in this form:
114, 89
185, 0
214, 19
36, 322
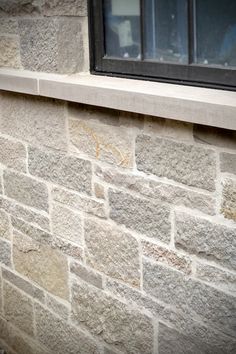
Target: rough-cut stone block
206, 239
141, 215
20, 7
25, 214
8, 25
173, 288
188, 164
80, 202
86, 274
165, 256
112, 320
42, 264
4, 225
38, 121
67, 224
102, 142
168, 128
25, 190
46, 44
17, 341
68, 248
5, 253
228, 204
59, 336
18, 309
9, 52
23, 284
224, 280
228, 162
68, 171
60, 309
112, 251
163, 192
65, 8
12, 154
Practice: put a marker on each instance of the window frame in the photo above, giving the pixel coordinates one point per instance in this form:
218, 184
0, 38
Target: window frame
186, 74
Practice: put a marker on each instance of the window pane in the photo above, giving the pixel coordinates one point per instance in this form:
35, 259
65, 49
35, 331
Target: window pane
166, 30
122, 28
216, 32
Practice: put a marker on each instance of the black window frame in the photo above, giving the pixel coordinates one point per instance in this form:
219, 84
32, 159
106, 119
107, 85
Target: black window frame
186, 74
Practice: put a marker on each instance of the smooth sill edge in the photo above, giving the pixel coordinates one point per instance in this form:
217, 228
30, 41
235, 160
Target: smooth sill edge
184, 103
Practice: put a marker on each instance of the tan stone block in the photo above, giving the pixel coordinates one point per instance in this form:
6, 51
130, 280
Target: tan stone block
18, 309
42, 264
102, 142
9, 52
228, 205
4, 225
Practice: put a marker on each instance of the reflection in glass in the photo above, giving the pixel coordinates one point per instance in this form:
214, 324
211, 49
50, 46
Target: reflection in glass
166, 30
122, 28
216, 32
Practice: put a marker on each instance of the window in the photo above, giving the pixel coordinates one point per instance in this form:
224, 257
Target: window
187, 41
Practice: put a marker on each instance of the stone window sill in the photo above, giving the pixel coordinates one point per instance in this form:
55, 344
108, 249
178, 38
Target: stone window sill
185, 103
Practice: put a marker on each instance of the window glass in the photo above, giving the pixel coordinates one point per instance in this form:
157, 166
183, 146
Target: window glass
122, 28
216, 32
166, 30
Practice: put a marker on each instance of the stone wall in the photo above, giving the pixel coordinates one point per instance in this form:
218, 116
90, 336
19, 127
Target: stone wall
117, 232
44, 35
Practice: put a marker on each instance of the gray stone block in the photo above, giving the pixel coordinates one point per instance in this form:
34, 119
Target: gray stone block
60, 309
123, 327
188, 164
5, 253
206, 239
8, 25
141, 215
5, 231
38, 121
86, 274
112, 251
12, 154
25, 190
20, 7
9, 52
65, 8
59, 336
228, 162
189, 295
68, 171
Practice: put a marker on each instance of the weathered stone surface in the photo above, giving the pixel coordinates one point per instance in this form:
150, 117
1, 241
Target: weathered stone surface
112, 251
214, 136
23, 284
46, 44
17, 341
168, 128
173, 288
80, 202
65, 8
188, 164
9, 52
67, 224
35, 120
86, 274
4, 225
228, 162
224, 280
68, 248
25, 214
141, 215
25, 190
113, 321
1, 297
20, 7
163, 192
42, 264
60, 309
5, 253
18, 309
206, 239
228, 204
102, 142
1, 182
99, 191
59, 336
68, 171
8, 25
165, 256
12, 154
